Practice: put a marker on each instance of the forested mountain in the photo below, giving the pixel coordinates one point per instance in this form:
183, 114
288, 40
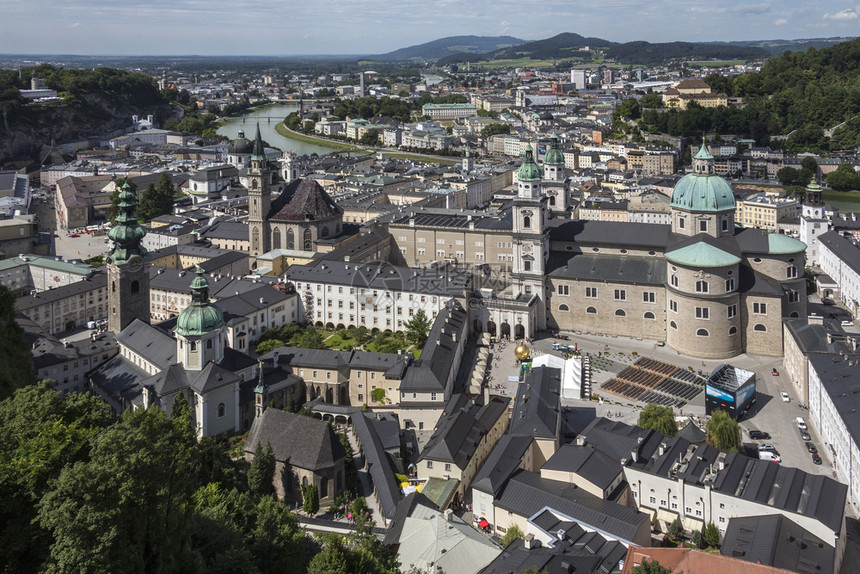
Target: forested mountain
557, 47
451, 45
799, 94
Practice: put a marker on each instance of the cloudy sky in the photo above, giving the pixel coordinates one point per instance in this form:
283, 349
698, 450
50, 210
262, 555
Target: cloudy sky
288, 27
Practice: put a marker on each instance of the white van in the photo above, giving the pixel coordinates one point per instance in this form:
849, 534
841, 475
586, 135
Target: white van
769, 455
800, 423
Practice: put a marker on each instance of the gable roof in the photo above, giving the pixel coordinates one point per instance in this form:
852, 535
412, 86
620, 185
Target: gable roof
303, 200
301, 441
501, 464
537, 410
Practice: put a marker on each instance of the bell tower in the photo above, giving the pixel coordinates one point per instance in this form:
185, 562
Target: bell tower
531, 249
127, 276
259, 197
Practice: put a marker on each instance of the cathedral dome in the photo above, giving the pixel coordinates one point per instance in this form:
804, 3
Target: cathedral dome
201, 316
241, 145
703, 191
529, 170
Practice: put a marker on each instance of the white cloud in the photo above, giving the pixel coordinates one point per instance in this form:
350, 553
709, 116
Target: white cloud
780, 22
847, 14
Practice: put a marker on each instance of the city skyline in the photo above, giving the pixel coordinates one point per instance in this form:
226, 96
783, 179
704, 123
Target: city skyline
337, 27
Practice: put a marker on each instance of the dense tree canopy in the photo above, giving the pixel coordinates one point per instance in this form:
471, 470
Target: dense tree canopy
723, 431
15, 356
661, 419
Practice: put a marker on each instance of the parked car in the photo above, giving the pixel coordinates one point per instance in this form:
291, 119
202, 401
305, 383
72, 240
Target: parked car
800, 423
774, 372
769, 455
804, 435
759, 435
826, 301
816, 459
811, 448
785, 397
767, 446
847, 323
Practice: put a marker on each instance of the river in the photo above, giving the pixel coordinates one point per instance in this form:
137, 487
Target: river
269, 116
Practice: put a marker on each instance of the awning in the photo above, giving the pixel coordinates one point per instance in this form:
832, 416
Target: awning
483, 523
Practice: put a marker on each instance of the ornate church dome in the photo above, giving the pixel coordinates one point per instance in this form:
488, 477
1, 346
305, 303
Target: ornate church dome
201, 316
529, 170
553, 155
703, 191
241, 145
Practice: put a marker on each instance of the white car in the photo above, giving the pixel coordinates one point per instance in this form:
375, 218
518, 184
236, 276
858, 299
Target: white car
801, 424
785, 397
847, 323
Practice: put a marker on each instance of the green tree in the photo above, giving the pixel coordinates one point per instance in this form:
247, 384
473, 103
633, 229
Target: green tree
698, 540
787, 175
277, 541
723, 431
15, 355
378, 395
127, 508
147, 203
661, 419
676, 530
370, 137
311, 338
650, 567
804, 176
332, 559
310, 499
711, 535
494, 129
810, 163
651, 101
262, 471
417, 328
628, 108
844, 178
268, 345
513, 533
157, 199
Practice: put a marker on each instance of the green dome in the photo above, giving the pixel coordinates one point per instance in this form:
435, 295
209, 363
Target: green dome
553, 155
703, 192
529, 170
127, 233
201, 316
779, 244
702, 255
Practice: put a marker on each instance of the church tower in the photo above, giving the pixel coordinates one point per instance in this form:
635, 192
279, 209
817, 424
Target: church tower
200, 337
555, 186
261, 393
813, 222
259, 197
127, 276
702, 201
530, 241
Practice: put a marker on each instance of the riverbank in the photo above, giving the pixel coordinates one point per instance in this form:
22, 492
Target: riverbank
304, 138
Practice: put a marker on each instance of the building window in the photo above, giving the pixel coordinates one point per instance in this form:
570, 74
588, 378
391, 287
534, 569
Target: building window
591, 292
701, 286
447, 467
621, 295
649, 297
681, 223
730, 285
673, 325
649, 315
732, 310
563, 308
591, 311
221, 409
760, 327
620, 313
673, 306
725, 223
760, 308
791, 272
703, 225
793, 296
527, 265
733, 331
429, 464
702, 333
564, 290
652, 500
674, 280
703, 313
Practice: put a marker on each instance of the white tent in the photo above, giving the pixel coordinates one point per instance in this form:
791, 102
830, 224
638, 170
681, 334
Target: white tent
571, 373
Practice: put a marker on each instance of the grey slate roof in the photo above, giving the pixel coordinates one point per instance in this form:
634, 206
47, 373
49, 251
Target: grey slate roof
176, 377
302, 200
149, 342
501, 464
97, 280
383, 276
226, 230
527, 493
587, 462
49, 351
378, 464
612, 268
775, 540
537, 409
813, 338
611, 233
304, 442
839, 379
692, 433
433, 370
843, 248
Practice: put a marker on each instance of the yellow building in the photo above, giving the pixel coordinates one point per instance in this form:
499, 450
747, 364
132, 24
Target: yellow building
693, 90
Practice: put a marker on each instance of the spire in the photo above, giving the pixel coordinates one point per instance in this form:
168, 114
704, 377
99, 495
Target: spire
258, 153
127, 233
261, 387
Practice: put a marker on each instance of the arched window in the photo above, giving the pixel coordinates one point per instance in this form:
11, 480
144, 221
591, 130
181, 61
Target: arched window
338, 482
760, 327
794, 314
649, 315
325, 231
193, 346
276, 238
323, 487
591, 311
733, 331
702, 333
209, 344
527, 222
552, 201
135, 286
307, 240
563, 308
673, 324
291, 239
221, 409
113, 286
620, 313
304, 481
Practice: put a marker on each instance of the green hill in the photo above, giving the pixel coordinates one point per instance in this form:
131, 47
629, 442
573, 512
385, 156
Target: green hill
451, 45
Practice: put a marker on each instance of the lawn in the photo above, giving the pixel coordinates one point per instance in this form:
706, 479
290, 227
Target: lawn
288, 133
